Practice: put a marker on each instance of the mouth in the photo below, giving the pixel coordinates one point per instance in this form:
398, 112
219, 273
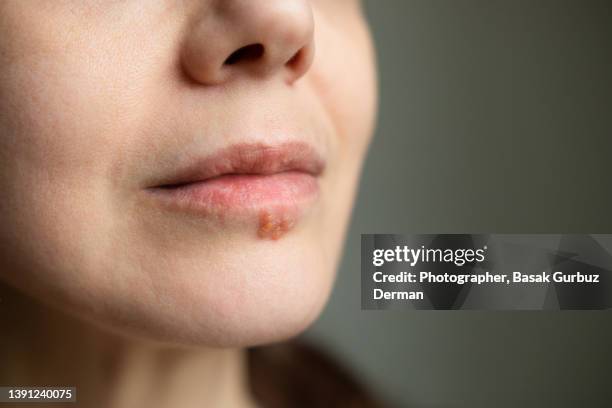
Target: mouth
270, 184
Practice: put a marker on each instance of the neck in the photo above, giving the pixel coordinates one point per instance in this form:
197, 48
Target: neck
40, 346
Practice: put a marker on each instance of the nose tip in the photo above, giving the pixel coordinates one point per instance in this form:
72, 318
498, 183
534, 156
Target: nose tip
258, 38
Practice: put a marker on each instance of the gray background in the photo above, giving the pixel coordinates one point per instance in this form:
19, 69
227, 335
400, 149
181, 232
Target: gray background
495, 116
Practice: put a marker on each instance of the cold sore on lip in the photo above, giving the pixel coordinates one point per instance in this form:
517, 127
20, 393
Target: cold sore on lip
274, 185
273, 226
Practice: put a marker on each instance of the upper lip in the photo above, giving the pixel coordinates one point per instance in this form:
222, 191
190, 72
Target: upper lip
247, 158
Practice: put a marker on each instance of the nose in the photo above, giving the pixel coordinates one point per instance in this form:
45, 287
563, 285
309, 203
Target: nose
255, 38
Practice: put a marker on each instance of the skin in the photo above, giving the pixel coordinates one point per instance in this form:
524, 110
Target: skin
95, 98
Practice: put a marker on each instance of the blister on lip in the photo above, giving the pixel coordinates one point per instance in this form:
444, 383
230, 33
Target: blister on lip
274, 226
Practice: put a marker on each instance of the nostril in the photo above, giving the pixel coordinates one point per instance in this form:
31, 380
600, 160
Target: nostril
297, 59
247, 53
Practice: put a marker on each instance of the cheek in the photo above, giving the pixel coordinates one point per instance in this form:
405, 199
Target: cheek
344, 76
344, 80
70, 105
64, 115
73, 89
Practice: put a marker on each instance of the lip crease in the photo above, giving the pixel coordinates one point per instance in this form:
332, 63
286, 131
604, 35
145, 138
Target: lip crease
249, 159
269, 184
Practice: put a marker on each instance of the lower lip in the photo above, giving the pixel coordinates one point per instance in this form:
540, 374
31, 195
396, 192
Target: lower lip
242, 194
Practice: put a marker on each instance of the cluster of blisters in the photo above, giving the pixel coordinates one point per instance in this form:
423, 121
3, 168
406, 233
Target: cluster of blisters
273, 226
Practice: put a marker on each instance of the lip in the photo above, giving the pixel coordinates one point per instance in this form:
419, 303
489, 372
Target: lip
273, 184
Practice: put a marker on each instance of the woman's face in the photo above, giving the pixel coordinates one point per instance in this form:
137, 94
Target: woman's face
181, 170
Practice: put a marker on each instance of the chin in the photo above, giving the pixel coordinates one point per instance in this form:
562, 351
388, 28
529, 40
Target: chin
244, 295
